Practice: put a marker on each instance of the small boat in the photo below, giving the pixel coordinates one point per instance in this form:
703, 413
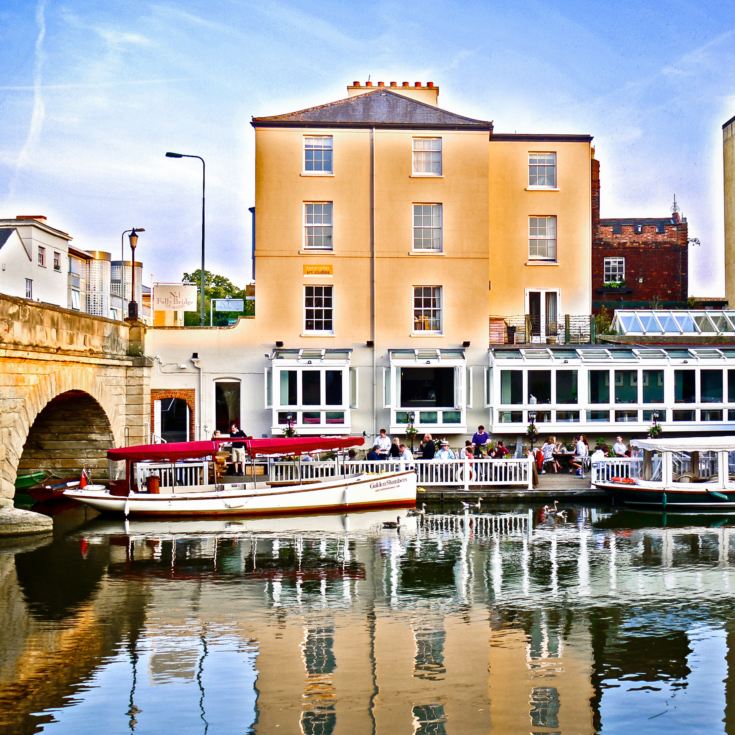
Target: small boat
682, 473
180, 480
52, 490
23, 482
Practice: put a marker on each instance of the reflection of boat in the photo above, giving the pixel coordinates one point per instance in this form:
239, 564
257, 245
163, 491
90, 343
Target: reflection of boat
695, 473
642, 518
174, 480
337, 524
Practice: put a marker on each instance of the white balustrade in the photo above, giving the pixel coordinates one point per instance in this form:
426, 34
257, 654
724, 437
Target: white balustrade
181, 474
430, 472
605, 469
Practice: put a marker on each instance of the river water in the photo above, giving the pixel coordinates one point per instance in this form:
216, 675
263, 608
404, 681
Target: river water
611, 622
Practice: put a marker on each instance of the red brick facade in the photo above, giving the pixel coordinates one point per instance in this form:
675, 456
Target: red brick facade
186, 394
656, 253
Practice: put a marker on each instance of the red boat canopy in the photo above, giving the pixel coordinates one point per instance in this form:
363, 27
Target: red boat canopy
195, 450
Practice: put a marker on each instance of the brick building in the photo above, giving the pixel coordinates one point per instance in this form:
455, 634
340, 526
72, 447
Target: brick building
638, 262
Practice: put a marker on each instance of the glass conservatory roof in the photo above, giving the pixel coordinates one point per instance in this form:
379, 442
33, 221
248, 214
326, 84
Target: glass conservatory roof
611, 354
674, 323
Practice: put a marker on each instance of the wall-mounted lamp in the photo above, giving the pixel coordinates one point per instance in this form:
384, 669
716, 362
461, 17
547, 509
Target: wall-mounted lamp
369, 343
194, 355
466, 343
279, 343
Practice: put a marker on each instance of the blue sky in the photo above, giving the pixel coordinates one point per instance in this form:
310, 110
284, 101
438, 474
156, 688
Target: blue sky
91, 97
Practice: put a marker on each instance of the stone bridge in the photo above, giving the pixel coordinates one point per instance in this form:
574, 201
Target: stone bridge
71, 386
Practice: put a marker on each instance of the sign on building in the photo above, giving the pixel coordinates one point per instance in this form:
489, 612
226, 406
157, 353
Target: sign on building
174, 297
229, 304
319, 270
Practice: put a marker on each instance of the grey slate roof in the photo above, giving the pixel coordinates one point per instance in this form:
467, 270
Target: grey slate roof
380, 108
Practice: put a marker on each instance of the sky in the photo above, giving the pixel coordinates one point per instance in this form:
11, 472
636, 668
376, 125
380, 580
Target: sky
92, 95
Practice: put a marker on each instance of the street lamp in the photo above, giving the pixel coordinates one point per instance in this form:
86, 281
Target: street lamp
170, 154
122, 263
133, 304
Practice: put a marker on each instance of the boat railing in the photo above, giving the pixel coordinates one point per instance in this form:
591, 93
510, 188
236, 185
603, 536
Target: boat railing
605, 469
180, 474
429, 472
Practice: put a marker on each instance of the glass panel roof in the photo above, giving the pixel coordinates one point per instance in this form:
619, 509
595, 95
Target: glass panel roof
674, 322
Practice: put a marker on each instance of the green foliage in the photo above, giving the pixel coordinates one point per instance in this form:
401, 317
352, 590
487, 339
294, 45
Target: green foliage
603, 321
216, 287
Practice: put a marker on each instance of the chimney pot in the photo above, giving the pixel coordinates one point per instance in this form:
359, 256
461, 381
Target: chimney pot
417, 84
393, 84
429, 84
368, 84
381, 84
355, 83
405, 84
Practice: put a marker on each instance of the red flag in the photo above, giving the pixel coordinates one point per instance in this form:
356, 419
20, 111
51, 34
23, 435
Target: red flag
83, 480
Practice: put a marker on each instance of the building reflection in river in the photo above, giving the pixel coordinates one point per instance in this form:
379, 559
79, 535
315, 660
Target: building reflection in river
590, 626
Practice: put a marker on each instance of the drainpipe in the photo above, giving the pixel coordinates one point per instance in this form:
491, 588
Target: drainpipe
372, 278
197, 363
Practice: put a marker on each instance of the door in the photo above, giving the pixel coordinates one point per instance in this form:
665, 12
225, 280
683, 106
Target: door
542, 308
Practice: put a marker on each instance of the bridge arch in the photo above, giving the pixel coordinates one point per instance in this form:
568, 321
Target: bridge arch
68, 421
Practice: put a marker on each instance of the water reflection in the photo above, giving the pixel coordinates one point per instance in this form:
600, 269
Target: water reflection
454, 624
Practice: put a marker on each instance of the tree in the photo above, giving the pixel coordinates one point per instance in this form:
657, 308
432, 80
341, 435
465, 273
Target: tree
216, 287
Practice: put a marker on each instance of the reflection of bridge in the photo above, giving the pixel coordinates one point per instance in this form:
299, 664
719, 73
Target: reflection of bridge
72, 386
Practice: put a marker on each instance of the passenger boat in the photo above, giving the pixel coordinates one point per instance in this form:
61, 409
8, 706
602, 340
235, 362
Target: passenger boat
691, 474
181, 480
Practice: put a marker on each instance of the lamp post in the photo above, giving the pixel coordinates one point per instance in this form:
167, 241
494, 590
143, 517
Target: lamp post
122, 263
133, 304
170, 154
411, 429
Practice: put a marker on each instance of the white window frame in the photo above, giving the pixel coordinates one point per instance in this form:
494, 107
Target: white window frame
354, 387
307, 289
57, 261
428, 219
324, 171
537, 236
613, 269
427, 165
539, 164
268, 388
41, 256
543, 316
325, 222
418, 314
29, 288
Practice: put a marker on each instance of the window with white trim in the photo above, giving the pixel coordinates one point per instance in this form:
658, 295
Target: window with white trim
542, 238
318, 225
318, 154
427, 156
29, 288
427, 228
542, 170
41, 256
427, 309
613, 270
318, 309
57, 262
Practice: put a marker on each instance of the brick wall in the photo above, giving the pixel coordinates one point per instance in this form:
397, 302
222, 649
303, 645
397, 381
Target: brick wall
656, 253
186, 394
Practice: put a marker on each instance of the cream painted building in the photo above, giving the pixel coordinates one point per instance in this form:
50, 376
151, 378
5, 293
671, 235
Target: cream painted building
388, 232
728, 150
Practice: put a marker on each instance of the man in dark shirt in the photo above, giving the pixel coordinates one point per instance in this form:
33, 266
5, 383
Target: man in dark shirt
238, 449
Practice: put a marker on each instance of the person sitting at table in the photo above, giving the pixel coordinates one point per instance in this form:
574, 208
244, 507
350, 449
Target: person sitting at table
444, 451
395, 449
547, 449
467, 447
406, 454
373, 455
427, 447
501, 451
480, 439
619, 448
579, 458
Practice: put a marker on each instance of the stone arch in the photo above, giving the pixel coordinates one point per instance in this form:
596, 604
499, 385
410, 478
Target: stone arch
77, 380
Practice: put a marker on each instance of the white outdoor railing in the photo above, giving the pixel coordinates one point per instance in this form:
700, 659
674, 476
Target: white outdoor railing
477, 473
171, 476
605, 469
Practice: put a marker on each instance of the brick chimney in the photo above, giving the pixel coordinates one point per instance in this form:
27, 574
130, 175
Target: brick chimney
426, 92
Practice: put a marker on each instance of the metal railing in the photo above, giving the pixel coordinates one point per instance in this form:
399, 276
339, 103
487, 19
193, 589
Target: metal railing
529, 328
429, 472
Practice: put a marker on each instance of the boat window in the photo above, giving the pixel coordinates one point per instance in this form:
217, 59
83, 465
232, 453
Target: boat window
116, 468
688, 467
651, 466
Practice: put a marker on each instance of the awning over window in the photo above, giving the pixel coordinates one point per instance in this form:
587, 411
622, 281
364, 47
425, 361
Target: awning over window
311, 356
427, 355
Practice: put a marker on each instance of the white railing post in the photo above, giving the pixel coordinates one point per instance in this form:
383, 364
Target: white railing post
529, 469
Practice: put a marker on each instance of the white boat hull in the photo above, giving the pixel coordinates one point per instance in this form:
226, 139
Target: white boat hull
395, 489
